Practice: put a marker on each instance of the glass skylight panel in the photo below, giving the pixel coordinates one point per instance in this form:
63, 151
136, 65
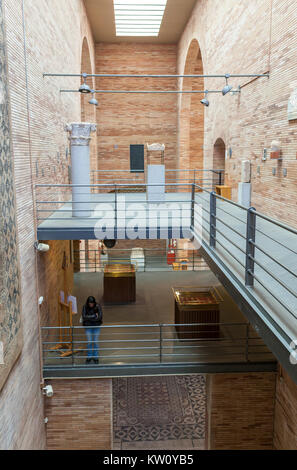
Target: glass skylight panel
138, 17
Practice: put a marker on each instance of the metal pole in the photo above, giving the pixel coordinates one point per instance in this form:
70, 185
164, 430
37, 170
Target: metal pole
72, 346
213, 214
247, 343
193, 207
220, 178
161, 339
115, 211
114, 75
151, 91
250, 248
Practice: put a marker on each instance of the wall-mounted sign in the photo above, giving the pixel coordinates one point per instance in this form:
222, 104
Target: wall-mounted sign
292, 106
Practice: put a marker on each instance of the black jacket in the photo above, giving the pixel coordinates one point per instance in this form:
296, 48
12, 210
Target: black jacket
92, 316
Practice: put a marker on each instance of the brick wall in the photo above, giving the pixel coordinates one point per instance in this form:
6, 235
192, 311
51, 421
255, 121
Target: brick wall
80, 415
135, 119
285, 420
241, 411
54, 37
254, 37
54, 279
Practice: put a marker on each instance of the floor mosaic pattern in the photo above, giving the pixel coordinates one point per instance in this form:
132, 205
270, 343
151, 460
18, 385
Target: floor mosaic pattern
159, 408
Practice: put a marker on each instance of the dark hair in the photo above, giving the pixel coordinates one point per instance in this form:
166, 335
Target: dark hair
91, 300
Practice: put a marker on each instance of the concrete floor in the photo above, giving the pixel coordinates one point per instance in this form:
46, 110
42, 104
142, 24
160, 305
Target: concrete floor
121, 343
154, 297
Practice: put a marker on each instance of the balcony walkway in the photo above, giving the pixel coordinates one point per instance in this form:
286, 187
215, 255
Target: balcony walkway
259, 270
151, 217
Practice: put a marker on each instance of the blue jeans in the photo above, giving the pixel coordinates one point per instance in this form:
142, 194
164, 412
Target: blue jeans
92, 334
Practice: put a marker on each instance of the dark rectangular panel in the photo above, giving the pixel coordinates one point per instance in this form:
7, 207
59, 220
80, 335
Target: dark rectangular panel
137, 158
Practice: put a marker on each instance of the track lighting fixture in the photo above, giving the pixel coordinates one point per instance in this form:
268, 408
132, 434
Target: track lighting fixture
227, 87
93, 100
205, 101
84, 88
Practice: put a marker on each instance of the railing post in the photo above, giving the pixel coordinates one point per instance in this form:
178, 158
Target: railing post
72, 346
250, 247
220, 178
161, 340
247, 343
193, 207
212, 219
115, 211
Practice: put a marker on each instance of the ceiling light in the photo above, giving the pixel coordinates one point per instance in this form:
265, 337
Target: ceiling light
227, 87
93, 100
84, 88
137, 34
138, 18
205, 101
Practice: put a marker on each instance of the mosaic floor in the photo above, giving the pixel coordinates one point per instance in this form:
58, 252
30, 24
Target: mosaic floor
152, 409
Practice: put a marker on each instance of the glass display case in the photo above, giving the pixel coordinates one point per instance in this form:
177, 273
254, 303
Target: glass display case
198, 307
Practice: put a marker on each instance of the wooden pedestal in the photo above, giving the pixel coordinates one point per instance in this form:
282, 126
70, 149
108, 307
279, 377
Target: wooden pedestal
197, 313
119, 284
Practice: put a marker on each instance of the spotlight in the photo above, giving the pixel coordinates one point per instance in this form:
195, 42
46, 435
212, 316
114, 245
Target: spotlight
93, 100
41, 246
205, 101
48, 391
84, 88
227, 87
109, 243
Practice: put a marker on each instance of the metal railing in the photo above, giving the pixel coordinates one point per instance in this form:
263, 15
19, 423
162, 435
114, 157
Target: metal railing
207, 179
91, 260
155, 344
260, 250
57, 199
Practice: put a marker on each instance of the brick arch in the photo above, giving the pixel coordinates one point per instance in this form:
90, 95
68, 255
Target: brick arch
88, 111
192, 112
219, 152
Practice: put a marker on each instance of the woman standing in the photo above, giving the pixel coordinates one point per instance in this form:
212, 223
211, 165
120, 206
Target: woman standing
92, 320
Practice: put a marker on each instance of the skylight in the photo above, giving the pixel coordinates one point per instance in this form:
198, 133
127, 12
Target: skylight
138, 17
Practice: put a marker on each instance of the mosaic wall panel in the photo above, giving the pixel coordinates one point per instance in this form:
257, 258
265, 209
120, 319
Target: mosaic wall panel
10, 314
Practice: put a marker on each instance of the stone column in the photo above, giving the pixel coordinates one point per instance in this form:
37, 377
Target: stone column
80, 136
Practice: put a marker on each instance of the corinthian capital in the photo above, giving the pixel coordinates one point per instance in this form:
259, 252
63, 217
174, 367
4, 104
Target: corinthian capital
80, 132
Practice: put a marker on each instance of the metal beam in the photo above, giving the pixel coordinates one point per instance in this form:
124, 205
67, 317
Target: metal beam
116, 75
151, 91
86, 372
59, 232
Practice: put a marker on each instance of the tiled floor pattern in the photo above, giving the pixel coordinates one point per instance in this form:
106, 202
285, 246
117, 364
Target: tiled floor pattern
165, 413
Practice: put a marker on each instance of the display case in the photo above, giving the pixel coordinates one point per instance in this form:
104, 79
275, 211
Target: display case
137, 259
198, 307
119, 283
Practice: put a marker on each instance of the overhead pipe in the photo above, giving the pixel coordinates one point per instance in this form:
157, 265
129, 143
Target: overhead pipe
110, 75
151, 91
